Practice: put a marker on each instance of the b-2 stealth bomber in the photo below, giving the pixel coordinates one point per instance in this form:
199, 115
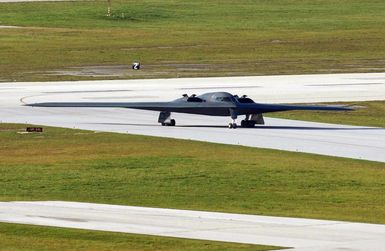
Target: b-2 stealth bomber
213, 104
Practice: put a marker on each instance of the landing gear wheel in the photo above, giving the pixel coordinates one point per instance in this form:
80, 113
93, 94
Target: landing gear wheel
247, 123
171, 123
232, 125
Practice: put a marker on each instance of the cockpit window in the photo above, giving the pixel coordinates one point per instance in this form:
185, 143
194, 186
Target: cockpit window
223, 99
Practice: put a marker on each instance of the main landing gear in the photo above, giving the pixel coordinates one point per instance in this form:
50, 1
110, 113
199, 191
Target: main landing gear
164, 119
244, 124
233, 125
171, 123
248, 122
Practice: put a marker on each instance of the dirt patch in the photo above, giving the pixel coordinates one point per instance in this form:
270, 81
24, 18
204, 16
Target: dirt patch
127, 71
92, 71
231, 67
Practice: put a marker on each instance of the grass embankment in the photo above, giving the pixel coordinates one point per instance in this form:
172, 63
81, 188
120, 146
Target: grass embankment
191, 38
370, 113
64, 164
74, 165
23, 237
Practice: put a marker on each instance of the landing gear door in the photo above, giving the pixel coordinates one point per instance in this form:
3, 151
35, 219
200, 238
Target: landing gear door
258, 118
163, 116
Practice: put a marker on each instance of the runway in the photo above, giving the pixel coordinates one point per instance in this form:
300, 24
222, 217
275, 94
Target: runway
326, 139
302, 234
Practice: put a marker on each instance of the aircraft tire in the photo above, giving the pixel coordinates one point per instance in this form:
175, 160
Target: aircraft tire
232, 125
172, 122
251, 124
247, 123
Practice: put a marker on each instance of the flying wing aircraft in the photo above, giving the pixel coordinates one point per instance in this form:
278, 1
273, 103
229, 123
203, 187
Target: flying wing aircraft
213, 103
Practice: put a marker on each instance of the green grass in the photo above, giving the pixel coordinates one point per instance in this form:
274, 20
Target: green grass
73, 165
192, 38
370, 113
245, 14
24, 237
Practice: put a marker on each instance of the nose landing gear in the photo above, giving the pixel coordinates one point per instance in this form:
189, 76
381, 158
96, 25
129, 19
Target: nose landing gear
233, 124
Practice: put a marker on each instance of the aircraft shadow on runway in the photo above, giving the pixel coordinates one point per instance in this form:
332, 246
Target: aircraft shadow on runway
256, 127
290, 127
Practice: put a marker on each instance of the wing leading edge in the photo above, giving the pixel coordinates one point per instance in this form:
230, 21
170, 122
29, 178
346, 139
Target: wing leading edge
133, 105
250, 108
204, 108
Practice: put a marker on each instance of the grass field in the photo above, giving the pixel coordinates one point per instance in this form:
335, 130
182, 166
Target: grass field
75, 165
64, 164
370, 113
76, 40
24, 237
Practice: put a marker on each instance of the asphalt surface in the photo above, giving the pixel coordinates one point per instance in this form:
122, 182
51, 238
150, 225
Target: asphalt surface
302, 234
336, 140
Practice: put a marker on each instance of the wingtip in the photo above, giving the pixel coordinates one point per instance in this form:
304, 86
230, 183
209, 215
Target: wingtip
32, 105
348, 108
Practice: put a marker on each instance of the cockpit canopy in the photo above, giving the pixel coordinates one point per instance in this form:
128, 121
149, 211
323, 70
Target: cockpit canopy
222, 97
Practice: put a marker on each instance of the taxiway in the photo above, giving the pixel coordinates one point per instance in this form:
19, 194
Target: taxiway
358, 142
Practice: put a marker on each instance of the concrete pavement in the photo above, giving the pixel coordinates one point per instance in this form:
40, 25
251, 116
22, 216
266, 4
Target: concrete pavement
302, 234
336, 140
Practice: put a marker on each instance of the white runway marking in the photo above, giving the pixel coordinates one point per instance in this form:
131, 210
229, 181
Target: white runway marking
327, 139
303, 234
